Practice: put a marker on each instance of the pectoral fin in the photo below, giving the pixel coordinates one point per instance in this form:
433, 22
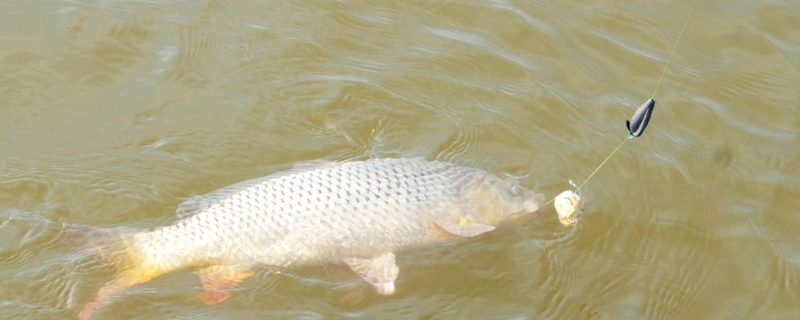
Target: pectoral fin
464, 228
217, 280
380, 271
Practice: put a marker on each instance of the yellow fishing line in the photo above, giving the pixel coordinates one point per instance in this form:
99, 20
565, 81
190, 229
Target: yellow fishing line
663, 71
595, 170
601, 164
673, 48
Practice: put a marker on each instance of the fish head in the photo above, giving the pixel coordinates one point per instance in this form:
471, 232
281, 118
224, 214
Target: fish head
495, 201
522, 206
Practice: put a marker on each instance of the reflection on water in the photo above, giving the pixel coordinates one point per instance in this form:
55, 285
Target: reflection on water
114, 113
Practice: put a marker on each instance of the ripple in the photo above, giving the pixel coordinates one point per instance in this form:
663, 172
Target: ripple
115, 112
480, 42
196, 51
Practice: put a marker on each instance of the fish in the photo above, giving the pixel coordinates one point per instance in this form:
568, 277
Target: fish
357, 213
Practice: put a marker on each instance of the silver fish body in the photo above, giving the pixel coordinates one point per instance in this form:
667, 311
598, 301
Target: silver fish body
355, 212
331, 211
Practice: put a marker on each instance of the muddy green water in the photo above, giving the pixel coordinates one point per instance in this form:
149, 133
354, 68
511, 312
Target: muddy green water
114, 112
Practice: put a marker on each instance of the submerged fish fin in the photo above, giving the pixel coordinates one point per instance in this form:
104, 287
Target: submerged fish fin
123, 280
312, 164
113, 246
105, 243
195, 204
464, 228
106, 292
380, 271
199, 203
217, 280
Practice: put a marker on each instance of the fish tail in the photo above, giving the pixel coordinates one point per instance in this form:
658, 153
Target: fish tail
109, 244
115, 247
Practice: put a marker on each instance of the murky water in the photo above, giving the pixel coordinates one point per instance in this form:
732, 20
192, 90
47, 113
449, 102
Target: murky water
114, 112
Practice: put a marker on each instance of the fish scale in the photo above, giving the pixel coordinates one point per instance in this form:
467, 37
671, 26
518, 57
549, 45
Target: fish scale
356, 212
300, 207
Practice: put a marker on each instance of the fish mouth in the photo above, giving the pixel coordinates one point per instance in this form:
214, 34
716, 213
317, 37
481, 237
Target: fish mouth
525, 209
533, 201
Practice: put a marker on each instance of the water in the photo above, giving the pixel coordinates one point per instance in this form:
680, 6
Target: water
112, 113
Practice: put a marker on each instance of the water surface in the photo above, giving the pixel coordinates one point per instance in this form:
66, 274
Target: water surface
112, 113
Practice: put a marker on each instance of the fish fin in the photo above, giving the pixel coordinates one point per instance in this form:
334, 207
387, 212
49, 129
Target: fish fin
100, 242
217, 280
122, 282
380, 271
113, 246
312, 164
106, 292
194, 205
464, 228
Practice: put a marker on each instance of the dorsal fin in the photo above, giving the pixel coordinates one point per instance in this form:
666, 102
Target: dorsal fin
199, 203
312, 164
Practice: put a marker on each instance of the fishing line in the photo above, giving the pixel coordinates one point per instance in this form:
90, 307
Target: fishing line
641, 117
673, 48
663, 71
601, 164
